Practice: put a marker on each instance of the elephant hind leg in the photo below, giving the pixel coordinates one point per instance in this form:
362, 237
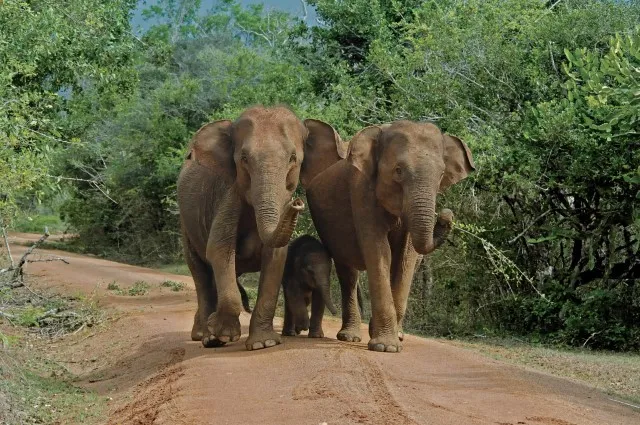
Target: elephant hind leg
348, 277
205, 290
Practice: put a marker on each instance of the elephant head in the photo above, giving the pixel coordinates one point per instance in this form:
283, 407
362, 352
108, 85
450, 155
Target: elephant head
408, 163
261, 154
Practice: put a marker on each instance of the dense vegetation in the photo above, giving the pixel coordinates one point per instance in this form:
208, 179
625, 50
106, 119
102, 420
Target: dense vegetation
546, 94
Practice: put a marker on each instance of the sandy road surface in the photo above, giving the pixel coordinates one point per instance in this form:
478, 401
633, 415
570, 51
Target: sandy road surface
156, 375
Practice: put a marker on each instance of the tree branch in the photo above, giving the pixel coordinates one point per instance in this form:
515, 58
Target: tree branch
18, 269
6, 244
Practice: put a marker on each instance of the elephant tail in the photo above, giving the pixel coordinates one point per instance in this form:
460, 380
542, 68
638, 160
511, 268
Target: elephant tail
245, 298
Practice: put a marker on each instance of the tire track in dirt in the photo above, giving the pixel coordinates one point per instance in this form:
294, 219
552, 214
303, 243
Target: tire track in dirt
359, 385
153, 394
156, 375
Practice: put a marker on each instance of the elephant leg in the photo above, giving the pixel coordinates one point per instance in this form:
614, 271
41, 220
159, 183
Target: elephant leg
383, 325
261, 333
288, 328
372, 232
224, 324
205, 290
403, 266
317, 312
351, 320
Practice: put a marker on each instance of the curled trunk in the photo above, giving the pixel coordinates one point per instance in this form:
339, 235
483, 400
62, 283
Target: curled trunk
442, 228
275, 228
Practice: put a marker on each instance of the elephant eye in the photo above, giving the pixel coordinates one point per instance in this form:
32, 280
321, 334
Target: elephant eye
398, 171
244, 159
293, 158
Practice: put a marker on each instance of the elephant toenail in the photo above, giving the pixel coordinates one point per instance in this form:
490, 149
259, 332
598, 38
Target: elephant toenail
223, 338
391, 349
378, 347
269, 343
257, 346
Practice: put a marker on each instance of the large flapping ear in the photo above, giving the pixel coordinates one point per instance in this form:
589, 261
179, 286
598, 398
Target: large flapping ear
322, 148
457, 160
362, 150
212, 147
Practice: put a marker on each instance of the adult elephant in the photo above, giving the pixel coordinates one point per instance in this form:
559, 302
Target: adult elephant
237, 215
373, 205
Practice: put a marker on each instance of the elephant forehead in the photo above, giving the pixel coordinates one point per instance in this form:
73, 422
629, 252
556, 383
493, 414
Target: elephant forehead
409, 133
269, 126
317, 258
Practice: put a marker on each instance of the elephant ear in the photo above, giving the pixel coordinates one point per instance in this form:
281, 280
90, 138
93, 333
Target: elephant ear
322, 148
212, 147
362, 150
457, 160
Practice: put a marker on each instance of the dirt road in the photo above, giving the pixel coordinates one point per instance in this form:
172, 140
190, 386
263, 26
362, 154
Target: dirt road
156, 375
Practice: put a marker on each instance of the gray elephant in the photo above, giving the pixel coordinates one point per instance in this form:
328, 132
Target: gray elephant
373, 205
237, 216
306, 280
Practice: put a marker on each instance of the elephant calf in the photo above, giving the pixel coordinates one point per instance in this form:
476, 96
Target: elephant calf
306, 281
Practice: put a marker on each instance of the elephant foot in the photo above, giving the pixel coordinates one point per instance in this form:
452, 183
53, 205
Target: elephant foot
260, 339
222, 328
316, 333
198, 330
349, 335
196, 334
385, 343
289, 332
301, 328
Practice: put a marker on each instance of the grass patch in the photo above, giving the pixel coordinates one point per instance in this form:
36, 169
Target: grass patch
45, 314
35, 223
139, 288
37, 392
173, 268
173, 285
618, 374
34, 390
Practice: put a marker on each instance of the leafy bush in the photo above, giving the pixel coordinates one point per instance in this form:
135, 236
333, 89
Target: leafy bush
545, 94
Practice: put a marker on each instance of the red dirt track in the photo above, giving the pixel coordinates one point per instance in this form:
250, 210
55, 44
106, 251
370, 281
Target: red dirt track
155, 374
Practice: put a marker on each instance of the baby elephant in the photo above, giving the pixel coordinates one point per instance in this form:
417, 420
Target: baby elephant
306, 280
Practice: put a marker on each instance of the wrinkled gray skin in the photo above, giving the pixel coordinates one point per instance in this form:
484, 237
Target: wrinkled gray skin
306, 280
373, 205
237, 216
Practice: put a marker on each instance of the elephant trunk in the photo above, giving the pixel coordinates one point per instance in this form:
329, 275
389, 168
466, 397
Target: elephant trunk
443, 227
275, 226
420, 212
325, 291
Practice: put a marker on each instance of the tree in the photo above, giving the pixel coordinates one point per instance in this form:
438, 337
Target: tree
50, 56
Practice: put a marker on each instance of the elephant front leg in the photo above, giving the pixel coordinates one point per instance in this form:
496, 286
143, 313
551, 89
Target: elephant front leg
317, 313
405, 260
224, 324
261, 333
288, 328
383, 327
351, 320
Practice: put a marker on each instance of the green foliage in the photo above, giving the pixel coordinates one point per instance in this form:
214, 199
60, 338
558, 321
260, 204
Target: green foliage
138, 288
49, 58
173, 285
36, 223
546, 95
